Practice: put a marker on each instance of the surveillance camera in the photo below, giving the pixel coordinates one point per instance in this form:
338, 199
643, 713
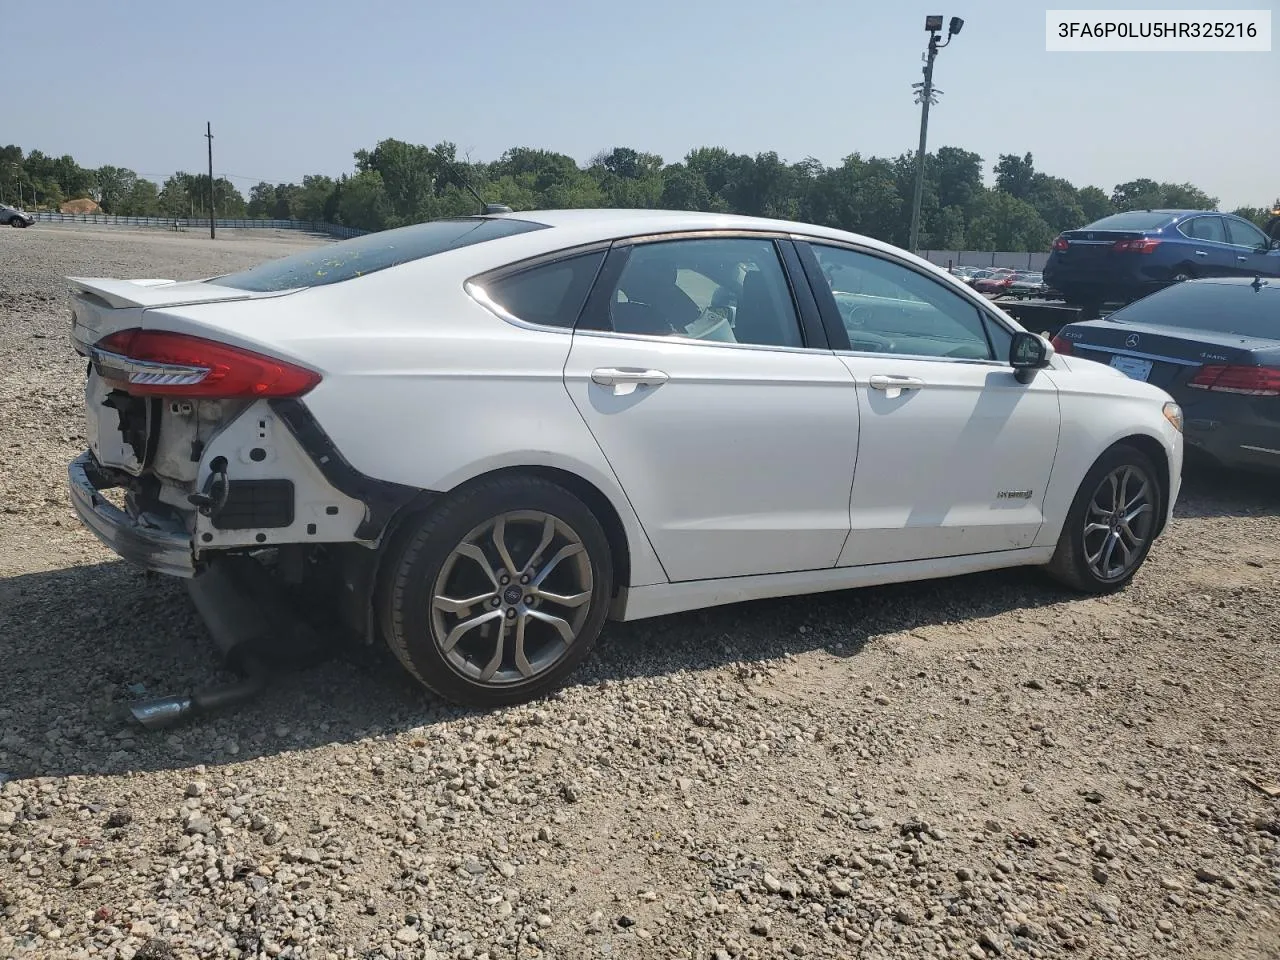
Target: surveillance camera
956, 24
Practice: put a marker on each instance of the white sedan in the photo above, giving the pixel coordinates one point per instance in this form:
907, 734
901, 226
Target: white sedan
502, 430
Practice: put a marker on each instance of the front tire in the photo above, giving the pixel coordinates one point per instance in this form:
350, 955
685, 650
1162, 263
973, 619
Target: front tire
1111, 525
499, 593
17, 222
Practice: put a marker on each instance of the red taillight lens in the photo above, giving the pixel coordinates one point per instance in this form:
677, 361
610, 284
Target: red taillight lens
1061, 244
159, 363
1061, 346
1250, 381
1141, 245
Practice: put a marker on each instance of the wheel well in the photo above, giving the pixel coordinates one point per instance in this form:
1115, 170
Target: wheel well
598, 504
584, 490
1155, 452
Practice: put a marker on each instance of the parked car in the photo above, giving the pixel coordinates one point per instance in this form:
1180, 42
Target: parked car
1128, 255
500, 430
1027, 283
1214, 345
995, 283
15, 216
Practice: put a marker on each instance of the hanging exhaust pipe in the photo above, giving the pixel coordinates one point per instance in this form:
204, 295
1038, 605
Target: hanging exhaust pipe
167, 711
247, 623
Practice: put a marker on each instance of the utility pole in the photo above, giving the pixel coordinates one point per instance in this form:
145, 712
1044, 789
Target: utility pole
208, 132
925, 96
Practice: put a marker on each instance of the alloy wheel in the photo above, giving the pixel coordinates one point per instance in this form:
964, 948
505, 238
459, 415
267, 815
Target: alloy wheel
1119, 522
511, 599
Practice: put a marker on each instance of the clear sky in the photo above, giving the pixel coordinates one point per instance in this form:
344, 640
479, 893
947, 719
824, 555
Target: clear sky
295, 86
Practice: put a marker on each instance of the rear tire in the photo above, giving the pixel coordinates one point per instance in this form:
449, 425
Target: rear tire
1182, 274
1111, 525
499, 593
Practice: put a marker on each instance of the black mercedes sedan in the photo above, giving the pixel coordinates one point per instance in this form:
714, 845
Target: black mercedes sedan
1214, 345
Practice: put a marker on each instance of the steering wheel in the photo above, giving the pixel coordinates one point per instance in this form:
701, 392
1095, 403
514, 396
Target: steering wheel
855, 315
866, 342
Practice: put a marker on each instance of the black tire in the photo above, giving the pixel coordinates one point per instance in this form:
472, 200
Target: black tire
412, 623
1070, 565
17, 222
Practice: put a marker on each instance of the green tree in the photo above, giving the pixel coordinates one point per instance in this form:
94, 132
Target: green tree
112, 186
363, 201
1015, 175
1000, 221
1094, 204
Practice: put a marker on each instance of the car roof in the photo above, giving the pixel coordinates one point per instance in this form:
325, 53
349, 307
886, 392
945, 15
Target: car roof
571, 228
625, 222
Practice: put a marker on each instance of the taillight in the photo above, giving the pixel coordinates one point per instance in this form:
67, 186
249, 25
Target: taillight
1061, 346
160, 363
1141, 245
1061, 244
1250, 381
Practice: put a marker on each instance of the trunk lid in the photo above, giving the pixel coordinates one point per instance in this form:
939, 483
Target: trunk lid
102, 306
1173, 359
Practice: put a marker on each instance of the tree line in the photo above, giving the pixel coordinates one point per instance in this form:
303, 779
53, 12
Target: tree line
398, 183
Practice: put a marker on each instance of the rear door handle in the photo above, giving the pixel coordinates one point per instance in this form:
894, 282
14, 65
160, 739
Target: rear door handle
625, 380
1201, 253
893, 386
1242, 259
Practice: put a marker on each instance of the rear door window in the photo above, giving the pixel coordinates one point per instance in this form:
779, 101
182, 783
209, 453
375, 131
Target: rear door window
1205, 228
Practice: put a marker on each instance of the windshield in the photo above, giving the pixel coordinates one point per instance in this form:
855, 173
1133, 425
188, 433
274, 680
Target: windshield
358, 256
1231, 308
1133, 220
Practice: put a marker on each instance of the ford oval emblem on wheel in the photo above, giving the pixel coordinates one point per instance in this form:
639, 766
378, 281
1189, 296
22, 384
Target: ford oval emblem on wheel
1131, 340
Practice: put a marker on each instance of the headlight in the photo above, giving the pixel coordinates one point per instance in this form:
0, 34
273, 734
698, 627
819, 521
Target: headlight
1173, 413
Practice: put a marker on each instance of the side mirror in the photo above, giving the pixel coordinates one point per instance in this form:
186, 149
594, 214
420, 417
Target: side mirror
1274, 245
1027, 354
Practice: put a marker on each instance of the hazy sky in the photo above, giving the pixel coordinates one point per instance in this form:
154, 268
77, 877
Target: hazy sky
295, 86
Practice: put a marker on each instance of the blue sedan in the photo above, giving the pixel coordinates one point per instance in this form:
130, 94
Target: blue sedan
1128, 255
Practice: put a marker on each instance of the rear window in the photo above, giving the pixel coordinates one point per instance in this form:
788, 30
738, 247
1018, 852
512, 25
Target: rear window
1234, 308
375, 251
1133, 220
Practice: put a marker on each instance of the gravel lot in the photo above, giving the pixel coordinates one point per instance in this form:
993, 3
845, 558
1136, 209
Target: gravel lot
979, 767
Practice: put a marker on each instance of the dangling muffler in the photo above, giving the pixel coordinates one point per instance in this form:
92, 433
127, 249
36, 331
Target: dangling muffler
251, 627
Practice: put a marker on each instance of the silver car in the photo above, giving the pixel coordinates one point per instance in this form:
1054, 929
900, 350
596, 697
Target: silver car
15, 216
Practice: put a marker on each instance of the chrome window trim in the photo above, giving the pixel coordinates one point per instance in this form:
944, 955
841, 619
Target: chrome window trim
922, 358
694, 341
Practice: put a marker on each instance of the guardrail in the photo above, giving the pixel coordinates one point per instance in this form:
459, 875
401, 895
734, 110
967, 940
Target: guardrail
986, 258
200, 223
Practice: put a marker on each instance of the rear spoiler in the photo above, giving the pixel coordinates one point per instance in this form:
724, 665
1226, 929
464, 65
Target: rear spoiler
152, 293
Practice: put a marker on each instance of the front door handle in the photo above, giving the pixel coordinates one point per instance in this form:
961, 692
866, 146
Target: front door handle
1201, 253
1242, 259
625, 380
893, 386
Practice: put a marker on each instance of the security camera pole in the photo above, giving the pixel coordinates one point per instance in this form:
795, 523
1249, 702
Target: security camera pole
925, 96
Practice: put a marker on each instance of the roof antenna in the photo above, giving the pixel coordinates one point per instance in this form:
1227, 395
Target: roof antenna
485, 208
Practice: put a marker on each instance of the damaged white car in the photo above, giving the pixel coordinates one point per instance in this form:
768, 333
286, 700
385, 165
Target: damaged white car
501, 430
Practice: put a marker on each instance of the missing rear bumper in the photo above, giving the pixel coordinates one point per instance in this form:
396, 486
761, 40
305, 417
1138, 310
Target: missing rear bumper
150, 543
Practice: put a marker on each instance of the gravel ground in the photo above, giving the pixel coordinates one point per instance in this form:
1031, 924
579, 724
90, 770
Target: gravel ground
978, 767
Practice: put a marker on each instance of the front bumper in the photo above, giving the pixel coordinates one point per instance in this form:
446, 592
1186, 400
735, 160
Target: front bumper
150, 545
